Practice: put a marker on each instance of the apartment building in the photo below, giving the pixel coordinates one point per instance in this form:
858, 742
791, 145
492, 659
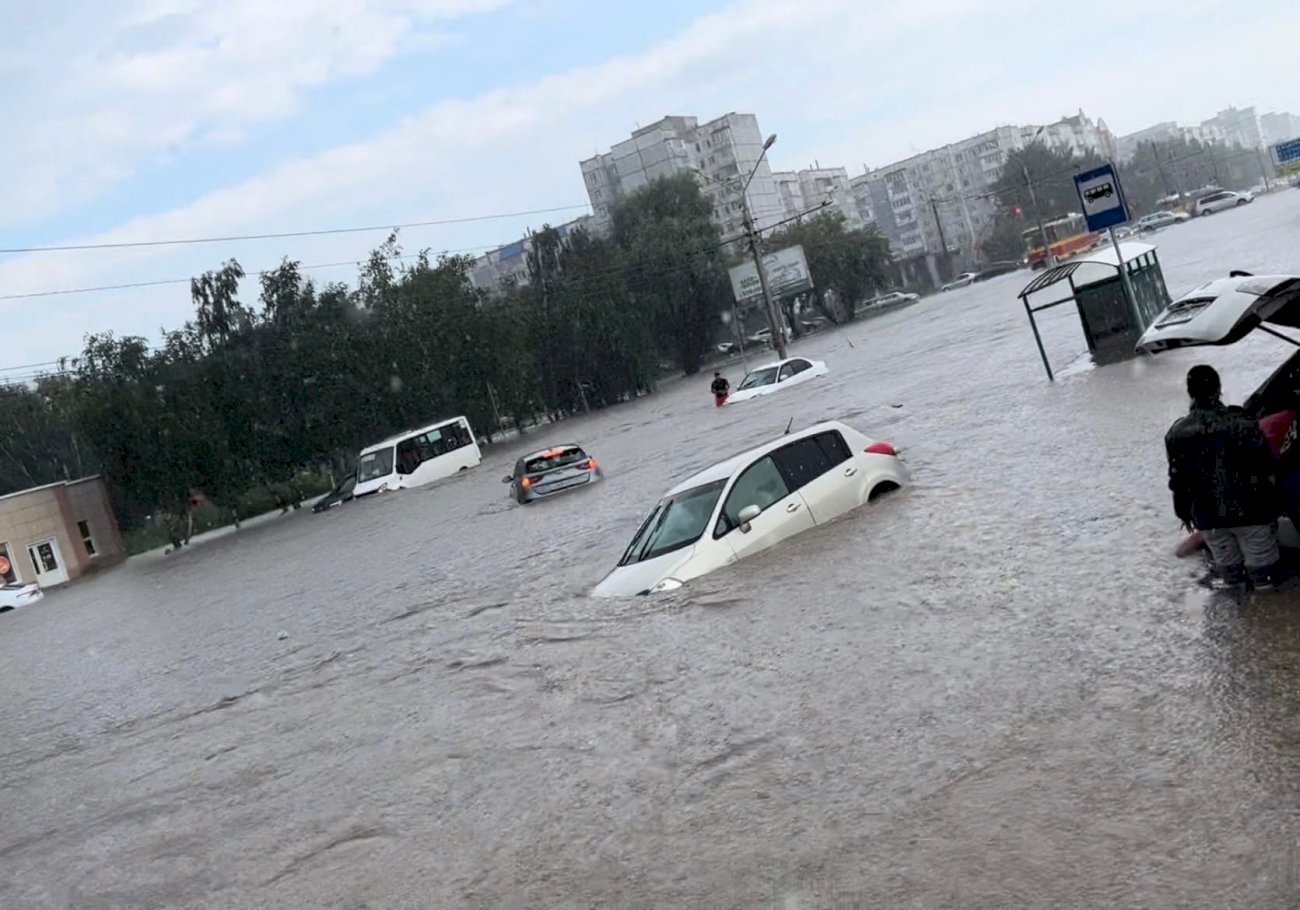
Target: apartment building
818, 189
721, 153
1234, 126
1279, 127
509, 263
940, 201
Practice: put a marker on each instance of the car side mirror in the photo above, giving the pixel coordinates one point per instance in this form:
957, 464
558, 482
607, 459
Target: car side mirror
747, 516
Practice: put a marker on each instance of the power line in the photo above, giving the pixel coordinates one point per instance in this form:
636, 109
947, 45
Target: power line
580, 278
281, 234
257, 274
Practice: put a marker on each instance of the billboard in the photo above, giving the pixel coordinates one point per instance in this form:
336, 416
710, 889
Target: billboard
1287, 154
787, 273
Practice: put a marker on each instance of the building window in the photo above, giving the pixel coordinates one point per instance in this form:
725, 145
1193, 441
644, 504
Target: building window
84, 527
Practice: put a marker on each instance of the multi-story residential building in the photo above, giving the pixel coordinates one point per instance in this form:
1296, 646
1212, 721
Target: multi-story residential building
1279, 127
1235, 126
509, 263
1079, 135
806, 190
1128, 146
790, 191
940, 201
721, 153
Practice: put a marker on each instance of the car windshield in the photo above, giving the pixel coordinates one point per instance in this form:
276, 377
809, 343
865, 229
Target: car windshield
675, 522
560, 457
374, 465
765, 376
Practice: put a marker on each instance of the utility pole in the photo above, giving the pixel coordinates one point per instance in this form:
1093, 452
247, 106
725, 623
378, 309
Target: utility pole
773, 317
1263, 168
1050, 260
943, 243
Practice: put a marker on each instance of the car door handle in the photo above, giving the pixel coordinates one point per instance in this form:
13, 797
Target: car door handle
849, 472
792, 507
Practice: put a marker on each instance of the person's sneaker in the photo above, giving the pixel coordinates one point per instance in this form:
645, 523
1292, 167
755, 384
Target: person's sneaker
1233, 576
1262, 579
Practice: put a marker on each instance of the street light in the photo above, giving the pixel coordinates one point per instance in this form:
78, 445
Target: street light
773, 318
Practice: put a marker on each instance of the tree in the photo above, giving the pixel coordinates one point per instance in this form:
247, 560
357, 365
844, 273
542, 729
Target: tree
672, 265
1004, 240
851, 263
1052, 173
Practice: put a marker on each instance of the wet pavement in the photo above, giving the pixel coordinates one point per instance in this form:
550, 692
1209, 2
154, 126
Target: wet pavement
997, 688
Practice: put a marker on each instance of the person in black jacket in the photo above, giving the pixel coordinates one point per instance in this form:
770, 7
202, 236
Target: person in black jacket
721, 389
1221, 472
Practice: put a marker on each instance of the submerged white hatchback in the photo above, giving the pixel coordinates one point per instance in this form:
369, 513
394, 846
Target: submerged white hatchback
753, 501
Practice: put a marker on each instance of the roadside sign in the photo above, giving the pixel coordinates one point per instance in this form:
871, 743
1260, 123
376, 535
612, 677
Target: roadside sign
1101, 197
1287, 154
787, 273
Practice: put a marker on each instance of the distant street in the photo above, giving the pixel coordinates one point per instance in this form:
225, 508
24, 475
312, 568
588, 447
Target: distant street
995, 689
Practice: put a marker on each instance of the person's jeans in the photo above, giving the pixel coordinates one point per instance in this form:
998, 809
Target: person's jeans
1251, 546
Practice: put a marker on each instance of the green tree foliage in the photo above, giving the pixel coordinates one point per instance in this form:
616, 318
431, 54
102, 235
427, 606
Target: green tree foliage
246, 394
1003, 240
1159, 169
850, 264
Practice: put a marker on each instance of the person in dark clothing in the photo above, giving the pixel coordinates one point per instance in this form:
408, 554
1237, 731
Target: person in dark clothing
1221, 472
721, 389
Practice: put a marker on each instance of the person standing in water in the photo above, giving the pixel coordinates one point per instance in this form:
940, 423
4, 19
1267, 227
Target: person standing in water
1221, 472
721, 389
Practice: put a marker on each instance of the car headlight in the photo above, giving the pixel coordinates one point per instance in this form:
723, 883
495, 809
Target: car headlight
668, 584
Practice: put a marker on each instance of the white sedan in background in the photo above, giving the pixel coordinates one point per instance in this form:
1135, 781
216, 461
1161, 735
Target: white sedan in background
17, 594
961, 281
774, 377
751, 502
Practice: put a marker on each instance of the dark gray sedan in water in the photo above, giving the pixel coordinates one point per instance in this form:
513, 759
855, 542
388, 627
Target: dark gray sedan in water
550, 471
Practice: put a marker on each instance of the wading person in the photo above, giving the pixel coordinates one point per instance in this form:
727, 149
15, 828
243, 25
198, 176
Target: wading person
1221, 474
721, 389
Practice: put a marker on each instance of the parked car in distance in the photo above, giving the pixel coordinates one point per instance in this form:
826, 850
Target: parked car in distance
337, 496
549, 471
994, 269
893, 298
961, 281
761, 337
726, 347
1160, 219
776, 377
751, 502
16, 595
1217, 202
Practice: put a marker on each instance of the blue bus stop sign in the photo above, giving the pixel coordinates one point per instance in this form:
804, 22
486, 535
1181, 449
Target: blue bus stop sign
1101, 197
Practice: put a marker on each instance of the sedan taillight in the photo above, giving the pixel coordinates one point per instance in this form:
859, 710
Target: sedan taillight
881, 448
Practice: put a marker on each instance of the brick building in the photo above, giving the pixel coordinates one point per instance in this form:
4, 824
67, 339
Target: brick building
57, 533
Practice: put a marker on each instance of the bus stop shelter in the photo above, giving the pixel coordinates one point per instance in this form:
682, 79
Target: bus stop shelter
1095, 284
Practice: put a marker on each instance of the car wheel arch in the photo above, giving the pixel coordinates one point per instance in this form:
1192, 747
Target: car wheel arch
881, 489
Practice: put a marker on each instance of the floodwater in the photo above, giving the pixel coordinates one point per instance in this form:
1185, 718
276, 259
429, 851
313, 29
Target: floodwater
996, 688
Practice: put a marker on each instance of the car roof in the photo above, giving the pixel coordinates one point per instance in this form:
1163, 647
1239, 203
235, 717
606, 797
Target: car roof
406, 434
725, 468
540, 452
779, 363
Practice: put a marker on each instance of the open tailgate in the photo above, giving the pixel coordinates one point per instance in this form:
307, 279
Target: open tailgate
1224, 311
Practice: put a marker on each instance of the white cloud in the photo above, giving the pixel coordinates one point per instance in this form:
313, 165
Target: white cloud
841, 80
131, 83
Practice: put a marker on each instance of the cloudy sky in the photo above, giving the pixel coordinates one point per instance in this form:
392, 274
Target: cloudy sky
174, 119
